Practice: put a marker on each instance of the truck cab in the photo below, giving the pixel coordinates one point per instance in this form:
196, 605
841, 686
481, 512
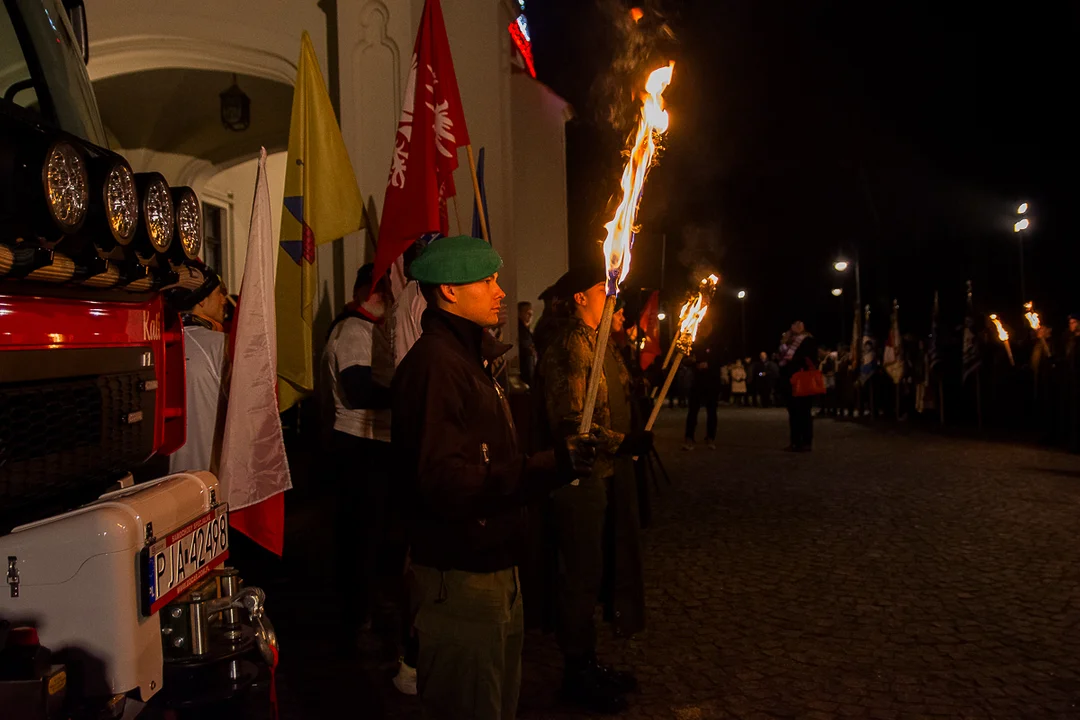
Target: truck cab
116, 598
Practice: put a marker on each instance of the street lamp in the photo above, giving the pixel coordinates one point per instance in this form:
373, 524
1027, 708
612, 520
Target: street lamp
836, 293
1019, 227
742, 297
842, 265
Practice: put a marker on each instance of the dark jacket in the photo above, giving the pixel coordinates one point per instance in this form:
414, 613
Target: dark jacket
466, 481
623, 591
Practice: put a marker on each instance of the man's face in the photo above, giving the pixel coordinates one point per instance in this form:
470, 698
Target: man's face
213, 307
480, 301
1074, 326
763, 357
618, 321
798, 328
525, 314
590, 305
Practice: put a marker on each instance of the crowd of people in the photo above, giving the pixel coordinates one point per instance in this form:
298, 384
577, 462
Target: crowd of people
460, 491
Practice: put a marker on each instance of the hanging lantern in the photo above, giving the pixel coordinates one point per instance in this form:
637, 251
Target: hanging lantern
235, 108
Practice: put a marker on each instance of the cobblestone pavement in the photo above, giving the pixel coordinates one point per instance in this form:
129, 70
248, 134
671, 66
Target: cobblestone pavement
884, 575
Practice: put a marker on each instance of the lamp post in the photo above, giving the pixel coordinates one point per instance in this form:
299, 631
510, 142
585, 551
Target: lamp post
838, 293
1020, 227
841, 266
742, 301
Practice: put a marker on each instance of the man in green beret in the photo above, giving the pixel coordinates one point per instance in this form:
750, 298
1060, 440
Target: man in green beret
467, 483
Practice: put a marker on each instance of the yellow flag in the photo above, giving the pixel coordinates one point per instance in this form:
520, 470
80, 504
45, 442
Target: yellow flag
322, 204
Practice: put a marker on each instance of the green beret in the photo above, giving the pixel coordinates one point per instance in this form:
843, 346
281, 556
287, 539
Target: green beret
455, 261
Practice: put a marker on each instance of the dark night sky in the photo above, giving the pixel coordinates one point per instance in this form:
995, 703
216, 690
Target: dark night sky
906, 131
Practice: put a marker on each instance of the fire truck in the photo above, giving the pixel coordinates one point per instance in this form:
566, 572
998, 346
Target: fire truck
115, 599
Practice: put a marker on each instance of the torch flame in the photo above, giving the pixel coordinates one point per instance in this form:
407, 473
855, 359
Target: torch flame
693, 312
1003, 335
1032, 316
620, 230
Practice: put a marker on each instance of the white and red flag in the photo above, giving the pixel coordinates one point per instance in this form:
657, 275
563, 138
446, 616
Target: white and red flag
254, 471
431, 130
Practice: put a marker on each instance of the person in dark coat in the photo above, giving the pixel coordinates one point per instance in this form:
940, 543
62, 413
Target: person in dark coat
624, 586
705, 390
798, 351
527, 355
466, 484
579, 511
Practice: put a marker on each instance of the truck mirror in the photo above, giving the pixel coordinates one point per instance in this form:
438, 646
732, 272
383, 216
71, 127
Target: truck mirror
76, 11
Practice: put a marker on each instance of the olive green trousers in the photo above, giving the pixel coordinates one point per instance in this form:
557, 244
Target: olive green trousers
471, 629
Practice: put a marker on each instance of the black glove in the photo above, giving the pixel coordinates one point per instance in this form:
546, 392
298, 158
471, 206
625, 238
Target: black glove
576, 456
636, 444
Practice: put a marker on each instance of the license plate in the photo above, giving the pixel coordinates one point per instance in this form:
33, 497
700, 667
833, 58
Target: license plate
183, 557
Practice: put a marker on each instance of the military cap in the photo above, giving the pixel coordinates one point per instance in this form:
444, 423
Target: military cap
455, 261
556, 291
581, 278
195, 286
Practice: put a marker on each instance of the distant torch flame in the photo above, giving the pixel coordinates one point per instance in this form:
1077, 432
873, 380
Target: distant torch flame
1003, 335
620, 231
693, 312
636, 14
1032, 316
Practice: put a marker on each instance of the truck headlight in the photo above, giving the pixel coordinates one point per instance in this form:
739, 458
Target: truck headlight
66, 183
156, 210
188, 223
121, 202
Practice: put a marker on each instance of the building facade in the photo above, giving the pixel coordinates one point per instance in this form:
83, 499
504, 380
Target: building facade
159, 69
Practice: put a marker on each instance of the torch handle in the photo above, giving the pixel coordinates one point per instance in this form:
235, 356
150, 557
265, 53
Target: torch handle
663, 392
1009, 351
597, 366
670, 352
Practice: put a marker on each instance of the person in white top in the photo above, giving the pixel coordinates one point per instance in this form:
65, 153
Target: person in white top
358, 365
206, 363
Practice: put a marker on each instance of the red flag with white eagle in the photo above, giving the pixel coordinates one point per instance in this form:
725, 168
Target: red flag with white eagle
431, 130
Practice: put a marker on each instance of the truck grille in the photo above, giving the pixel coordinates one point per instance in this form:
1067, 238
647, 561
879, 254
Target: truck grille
63, 440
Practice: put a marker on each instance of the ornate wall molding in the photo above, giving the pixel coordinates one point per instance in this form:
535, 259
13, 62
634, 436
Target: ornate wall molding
135, 53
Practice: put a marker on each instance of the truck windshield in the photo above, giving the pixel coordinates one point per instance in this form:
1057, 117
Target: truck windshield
42, 75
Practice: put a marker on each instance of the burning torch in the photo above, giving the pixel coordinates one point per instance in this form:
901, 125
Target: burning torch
1036, 325
620, 230
1003, 336
690, 317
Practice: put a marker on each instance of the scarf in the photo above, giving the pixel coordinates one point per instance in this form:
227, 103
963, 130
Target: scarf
790, 349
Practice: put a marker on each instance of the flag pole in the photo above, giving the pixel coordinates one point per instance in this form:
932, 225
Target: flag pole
476, 193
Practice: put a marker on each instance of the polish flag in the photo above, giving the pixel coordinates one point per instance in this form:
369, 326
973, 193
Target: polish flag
254, 471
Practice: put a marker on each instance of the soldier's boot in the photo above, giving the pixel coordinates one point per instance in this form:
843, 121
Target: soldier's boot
586, 686
618, 680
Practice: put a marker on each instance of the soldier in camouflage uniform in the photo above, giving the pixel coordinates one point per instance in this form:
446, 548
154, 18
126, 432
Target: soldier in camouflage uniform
579, 509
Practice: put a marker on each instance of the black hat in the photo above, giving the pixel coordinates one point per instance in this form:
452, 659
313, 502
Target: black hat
580, 279
194, 287
555, 291
363, 276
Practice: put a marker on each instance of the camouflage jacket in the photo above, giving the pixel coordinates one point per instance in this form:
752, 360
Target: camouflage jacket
566, 366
